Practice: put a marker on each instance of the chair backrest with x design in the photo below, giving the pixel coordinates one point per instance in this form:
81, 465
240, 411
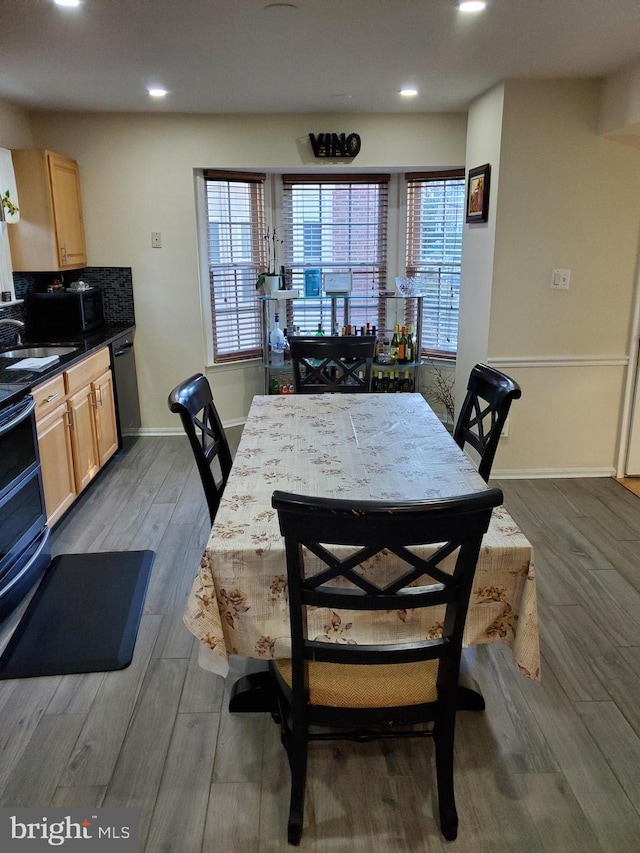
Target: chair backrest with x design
334, 550
484, 412
193, 401
333, 363
323, 525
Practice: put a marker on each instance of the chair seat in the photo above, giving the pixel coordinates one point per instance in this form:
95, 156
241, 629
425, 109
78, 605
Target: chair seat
360, 686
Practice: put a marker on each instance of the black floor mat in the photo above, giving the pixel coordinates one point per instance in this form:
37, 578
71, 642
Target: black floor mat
84, 616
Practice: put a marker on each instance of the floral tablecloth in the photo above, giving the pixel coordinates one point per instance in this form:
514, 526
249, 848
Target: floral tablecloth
354, 446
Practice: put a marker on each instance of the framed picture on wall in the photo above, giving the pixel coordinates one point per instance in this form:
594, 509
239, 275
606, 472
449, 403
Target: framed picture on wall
478, 193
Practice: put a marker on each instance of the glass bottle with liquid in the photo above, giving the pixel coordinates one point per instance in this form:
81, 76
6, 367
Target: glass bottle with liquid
395, 342
402, 347
276, 341
409, 348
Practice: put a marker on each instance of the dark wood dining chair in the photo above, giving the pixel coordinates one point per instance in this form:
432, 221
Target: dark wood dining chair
382, 690
484, 412
193, 401
333, 363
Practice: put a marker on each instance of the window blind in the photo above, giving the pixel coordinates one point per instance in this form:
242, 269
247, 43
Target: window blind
236, 252
337, 223
435, 214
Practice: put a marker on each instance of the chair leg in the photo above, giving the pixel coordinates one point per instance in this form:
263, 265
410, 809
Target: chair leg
298, 763
443, 736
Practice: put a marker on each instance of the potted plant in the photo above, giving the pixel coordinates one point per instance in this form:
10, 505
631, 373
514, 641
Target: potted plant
271, 279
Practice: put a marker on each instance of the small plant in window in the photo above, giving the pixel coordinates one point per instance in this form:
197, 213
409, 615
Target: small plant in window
273, 238
8, 205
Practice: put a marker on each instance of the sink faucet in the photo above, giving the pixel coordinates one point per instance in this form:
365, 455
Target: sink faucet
18, 324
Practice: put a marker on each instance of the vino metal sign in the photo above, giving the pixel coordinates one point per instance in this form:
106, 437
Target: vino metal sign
335, 144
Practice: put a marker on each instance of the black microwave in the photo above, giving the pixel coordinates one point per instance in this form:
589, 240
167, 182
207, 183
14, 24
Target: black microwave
63, 315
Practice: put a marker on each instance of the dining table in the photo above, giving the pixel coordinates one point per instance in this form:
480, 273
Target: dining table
356, 447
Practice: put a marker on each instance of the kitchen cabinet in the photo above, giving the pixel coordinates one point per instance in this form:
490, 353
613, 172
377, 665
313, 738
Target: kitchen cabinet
76, 428
54, 444
50, 233
105, 413
84, 441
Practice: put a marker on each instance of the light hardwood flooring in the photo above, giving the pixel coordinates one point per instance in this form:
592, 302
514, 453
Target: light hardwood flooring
631, 483
551, 766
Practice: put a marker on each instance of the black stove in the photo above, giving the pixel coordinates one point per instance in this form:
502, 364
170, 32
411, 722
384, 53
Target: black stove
9, 391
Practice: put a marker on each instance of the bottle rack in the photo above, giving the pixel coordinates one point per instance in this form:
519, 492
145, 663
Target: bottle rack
340, 307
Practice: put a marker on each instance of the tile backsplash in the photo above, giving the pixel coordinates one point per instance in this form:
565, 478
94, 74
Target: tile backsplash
115, 282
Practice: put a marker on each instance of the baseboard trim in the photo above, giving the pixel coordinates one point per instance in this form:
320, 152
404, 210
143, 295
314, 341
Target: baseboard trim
561, 361
551, 473
178, 430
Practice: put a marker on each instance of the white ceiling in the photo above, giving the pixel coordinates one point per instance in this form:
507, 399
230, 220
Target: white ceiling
235, 56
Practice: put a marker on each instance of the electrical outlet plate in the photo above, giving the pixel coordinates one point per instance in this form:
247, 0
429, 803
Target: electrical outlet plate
156, 240
560, 279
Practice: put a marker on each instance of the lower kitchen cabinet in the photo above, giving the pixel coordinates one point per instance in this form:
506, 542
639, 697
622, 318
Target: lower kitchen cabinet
76, 426
105, 411
83, 437
58, 478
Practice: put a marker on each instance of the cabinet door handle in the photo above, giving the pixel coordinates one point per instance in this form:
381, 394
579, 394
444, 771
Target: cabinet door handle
69, 416
63, 252
50, 398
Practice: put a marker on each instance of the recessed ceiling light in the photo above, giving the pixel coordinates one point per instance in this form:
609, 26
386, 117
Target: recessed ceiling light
408, 93
157, 92
67, 2
472, 5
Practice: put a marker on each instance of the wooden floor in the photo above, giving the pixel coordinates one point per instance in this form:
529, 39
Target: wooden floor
631, 483
551, 766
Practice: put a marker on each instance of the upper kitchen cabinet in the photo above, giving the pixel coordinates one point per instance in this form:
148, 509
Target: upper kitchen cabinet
50, 233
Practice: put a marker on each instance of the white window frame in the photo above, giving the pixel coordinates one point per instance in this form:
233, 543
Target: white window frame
273, 195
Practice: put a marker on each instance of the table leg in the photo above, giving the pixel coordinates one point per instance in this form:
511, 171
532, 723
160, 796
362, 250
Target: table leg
469, 696
252, 693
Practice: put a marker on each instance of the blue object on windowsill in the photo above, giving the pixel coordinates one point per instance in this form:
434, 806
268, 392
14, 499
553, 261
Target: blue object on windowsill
312, 279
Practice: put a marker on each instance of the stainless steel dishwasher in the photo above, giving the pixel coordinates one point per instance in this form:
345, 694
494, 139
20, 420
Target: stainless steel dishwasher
126, 386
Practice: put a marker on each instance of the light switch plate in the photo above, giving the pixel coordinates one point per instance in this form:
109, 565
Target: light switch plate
560, 279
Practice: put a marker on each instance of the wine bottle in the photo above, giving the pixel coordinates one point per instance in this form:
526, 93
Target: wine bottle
320, 331
402, 347
276, 340
409, 349
395, 342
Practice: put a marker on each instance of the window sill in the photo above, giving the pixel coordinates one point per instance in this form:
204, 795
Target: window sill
220, 366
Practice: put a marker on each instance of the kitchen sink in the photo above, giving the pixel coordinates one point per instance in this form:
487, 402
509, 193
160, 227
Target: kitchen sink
36, 352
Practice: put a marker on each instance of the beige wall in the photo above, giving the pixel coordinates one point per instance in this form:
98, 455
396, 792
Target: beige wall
484, 138
620, 110
568, 198
562, 196
137, 175
15, 126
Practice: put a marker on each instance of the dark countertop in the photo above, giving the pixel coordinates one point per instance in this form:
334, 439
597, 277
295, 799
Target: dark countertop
14, 384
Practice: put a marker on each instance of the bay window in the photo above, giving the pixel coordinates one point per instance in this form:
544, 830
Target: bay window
435, 210
235, 250
335, 223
